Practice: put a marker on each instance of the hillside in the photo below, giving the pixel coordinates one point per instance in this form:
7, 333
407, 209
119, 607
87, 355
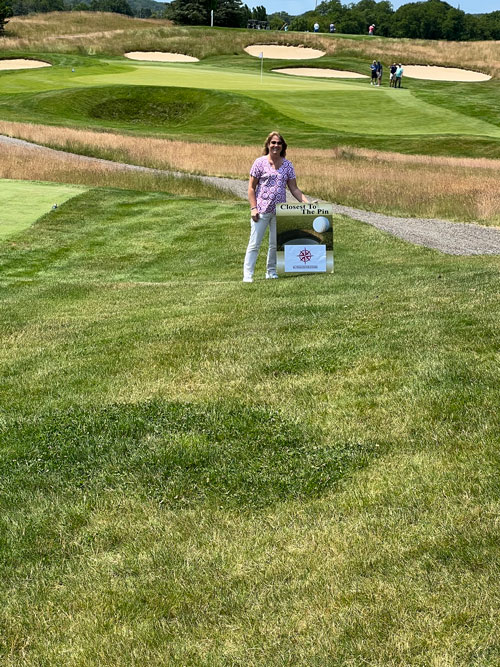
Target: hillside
113, 34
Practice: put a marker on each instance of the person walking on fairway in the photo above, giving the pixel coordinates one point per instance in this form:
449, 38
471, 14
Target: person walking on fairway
373, 68
392, 75
269, 177
380, 70
398, 76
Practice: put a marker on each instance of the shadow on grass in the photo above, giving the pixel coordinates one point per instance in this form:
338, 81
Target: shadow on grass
179, 454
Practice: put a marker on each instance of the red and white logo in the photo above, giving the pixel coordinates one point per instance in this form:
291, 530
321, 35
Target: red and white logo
305, 255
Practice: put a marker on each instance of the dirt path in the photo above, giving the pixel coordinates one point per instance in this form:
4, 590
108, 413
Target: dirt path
453, 238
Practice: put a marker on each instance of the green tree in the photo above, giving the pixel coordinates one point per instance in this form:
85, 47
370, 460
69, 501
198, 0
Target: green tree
331, 8
427, 20
5, 12
188, 12
383, 14
432, 19
454, 27
353, 22
329, 12
229, 13
304, 21
23, 7
246, 13
116, 6
278, 20
359, 17
489, 25
259, 13
474, 28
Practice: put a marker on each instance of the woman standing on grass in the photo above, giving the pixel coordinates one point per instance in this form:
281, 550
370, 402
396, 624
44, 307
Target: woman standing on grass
269, 176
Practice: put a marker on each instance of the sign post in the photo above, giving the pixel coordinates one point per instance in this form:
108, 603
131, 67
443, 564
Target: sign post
304, 234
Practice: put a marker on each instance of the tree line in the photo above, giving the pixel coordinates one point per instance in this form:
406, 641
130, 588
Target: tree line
139, 8
230, 13
433, 19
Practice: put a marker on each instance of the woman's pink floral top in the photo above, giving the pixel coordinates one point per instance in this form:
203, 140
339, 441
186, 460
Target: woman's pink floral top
271, 188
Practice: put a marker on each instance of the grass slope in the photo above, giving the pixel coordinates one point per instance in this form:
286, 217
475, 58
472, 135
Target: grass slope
111, 34
23, 202
188, 101
197, 471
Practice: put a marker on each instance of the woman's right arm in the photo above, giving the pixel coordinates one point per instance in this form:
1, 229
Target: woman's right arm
252, 197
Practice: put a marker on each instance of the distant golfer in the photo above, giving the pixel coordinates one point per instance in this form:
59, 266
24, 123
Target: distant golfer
371, 29
373, 69
398, 76
269, 177
380, 71
392, 75
316, 27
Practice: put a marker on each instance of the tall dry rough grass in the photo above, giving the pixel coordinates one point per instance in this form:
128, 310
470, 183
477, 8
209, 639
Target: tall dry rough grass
411, 185
25, 163
424, 187
101, 33
72, 32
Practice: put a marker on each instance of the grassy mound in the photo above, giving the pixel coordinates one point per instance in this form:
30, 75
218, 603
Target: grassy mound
155, 110
148, 109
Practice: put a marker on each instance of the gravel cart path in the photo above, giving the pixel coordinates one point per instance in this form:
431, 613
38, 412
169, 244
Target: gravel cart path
453, 238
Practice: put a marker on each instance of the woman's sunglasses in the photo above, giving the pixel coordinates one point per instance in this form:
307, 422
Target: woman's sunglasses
275, 143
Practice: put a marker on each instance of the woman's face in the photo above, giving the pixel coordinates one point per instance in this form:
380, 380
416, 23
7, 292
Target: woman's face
275, 145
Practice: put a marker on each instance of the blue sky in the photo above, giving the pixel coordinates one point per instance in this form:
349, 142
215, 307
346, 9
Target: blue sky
300, 6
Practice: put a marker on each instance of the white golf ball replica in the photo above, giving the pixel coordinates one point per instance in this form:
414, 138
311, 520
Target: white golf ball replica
321, 224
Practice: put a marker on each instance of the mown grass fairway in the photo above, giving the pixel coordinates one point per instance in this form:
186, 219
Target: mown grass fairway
199, 471
16, 215
426, 117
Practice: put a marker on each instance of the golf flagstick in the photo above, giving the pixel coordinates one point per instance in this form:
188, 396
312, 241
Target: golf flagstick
261, 56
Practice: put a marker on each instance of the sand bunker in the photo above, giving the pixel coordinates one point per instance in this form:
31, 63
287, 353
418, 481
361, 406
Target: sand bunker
322, 73
160, 57
433, 73
22, 63
284, 52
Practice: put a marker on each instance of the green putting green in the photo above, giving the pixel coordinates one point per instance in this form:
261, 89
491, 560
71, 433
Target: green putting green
188, 101
23, 202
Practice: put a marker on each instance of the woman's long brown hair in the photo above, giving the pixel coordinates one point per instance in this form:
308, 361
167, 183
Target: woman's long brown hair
268, 139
